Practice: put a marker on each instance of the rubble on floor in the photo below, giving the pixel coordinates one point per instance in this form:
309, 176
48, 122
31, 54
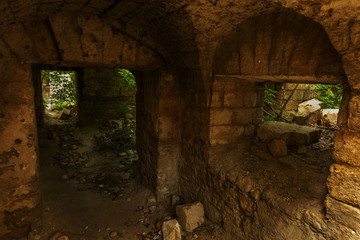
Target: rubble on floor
311, 113
171, 230
190, 215
277, 147
329, 117
65, 114
308, 112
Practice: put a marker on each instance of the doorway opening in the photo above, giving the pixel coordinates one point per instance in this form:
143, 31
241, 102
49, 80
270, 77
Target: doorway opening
309, 109
94, 159
59, 93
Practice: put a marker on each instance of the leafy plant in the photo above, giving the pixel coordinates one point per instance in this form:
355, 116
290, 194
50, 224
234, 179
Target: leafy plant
270, 100
124, 111
270, 95
63, 92
128, 78
330, 95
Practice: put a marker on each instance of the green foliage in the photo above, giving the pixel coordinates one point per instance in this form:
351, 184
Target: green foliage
63, 88
125, 110
270, 95
128, 77
270, 98
269, 118
330, 95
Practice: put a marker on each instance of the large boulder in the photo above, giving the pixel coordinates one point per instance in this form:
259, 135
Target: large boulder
308, 112
291, 133
190, 215
329, 117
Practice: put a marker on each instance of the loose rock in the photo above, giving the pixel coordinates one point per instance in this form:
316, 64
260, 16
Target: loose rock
277, 148
329, 117
171, 230
65, 114
308, 112
191, 215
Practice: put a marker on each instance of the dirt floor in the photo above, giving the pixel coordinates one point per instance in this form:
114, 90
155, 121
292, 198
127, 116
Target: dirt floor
292, 184
92, 191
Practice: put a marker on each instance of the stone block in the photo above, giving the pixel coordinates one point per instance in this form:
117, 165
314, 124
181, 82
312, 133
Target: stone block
347, 148
220, 116
233, 99
308, 112
292, 106
191, 215
301, 149
344, 184
277, 147
250, 99
171, 230
293, 134
65, 114
225, 134
217, 99
343, 213
329, 117
354, 113
243, 116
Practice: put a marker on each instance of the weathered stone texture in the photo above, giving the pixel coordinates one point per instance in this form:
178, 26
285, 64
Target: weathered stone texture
235, 108
19, 172
344, 184
293, 134
171, 230
190, 215
189, 41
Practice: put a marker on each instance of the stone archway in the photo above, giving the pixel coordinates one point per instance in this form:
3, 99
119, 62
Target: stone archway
90, 42
281, 47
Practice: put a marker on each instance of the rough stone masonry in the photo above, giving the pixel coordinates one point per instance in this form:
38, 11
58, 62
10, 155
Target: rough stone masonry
201, 65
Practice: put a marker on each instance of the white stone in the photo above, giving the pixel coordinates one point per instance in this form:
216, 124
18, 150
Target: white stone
329, 117
308, 112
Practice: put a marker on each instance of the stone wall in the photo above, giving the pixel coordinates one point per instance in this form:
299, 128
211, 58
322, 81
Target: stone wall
302, 93
19, 171
236, 109
51, 42
314, 41
157, 134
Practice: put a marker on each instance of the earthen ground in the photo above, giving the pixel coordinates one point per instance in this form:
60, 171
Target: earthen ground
85, 211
